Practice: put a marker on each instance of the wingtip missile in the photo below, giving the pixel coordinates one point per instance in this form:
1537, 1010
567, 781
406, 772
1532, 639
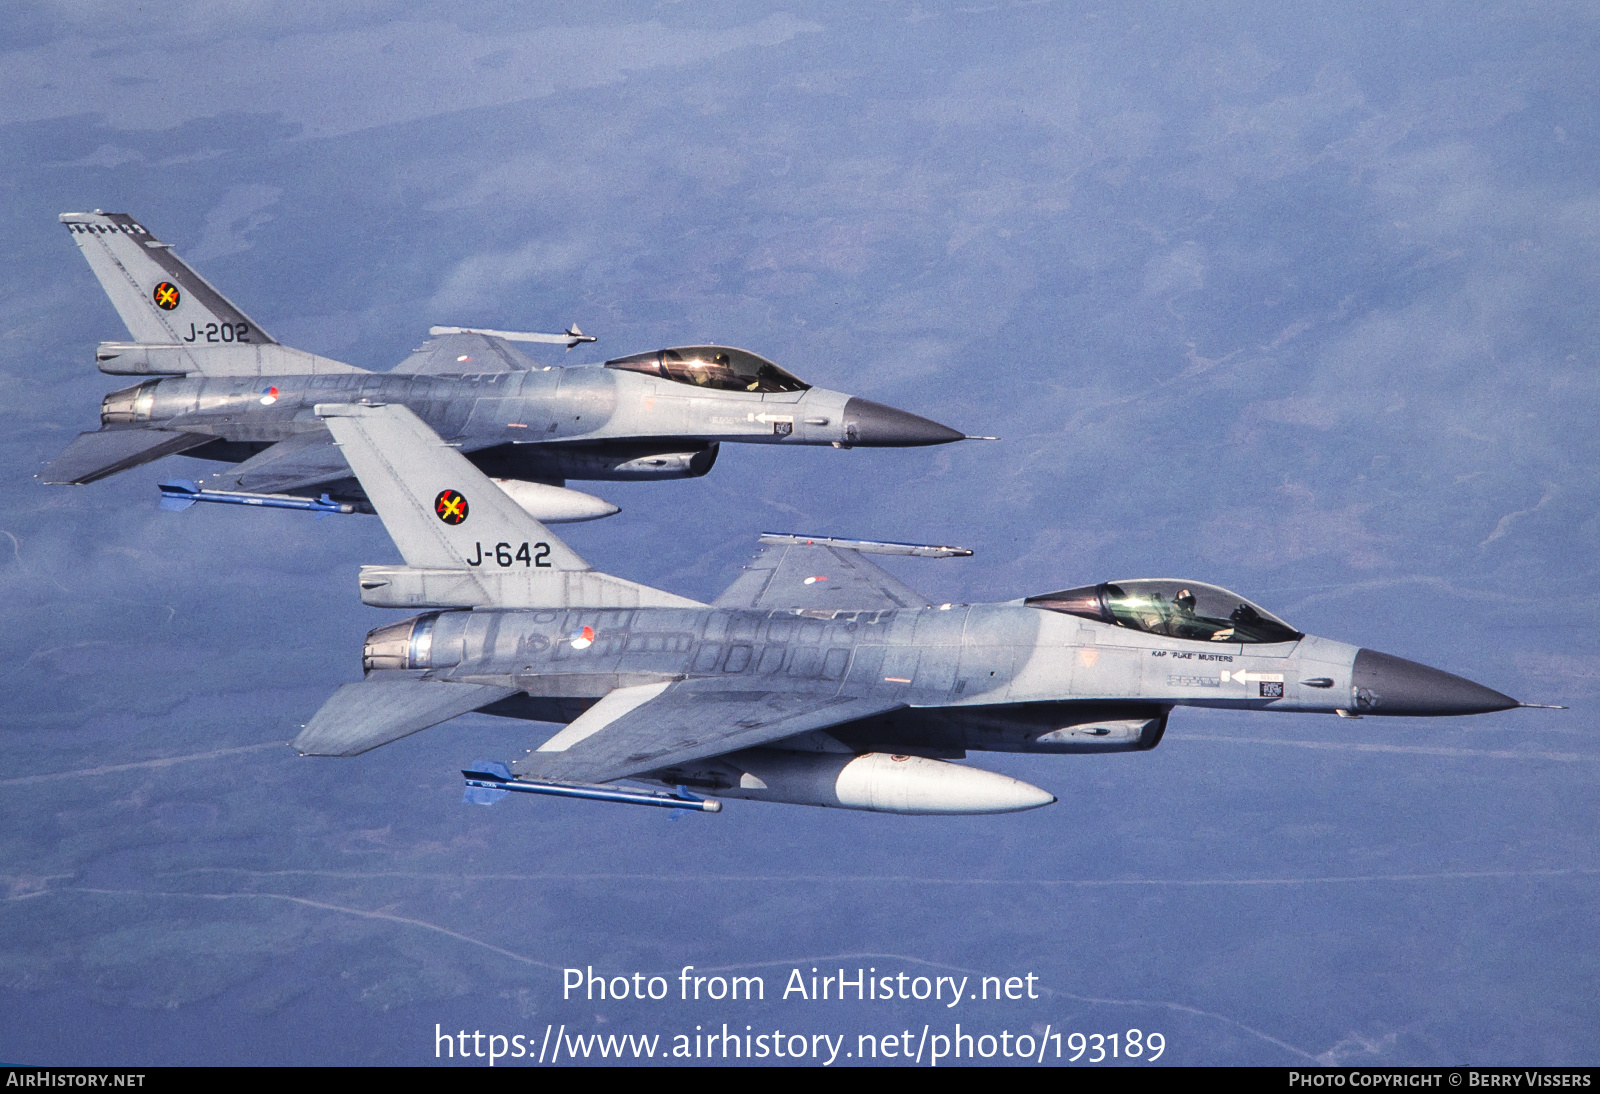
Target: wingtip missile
865, 546
570, 337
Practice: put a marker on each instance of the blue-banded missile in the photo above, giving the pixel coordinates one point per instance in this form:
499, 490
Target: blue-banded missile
490, 780
179, 494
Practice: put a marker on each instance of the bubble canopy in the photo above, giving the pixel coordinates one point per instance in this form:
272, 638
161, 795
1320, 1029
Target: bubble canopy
1173, 609
722, 367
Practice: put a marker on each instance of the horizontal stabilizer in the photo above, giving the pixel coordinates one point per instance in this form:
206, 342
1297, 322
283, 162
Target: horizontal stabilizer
361, 716
104, 452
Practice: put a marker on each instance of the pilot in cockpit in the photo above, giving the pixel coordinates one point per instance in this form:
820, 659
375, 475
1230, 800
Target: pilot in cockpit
1182, 623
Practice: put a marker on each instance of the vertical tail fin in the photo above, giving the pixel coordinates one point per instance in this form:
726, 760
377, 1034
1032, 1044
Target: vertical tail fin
465, 542
161, 299
442, 512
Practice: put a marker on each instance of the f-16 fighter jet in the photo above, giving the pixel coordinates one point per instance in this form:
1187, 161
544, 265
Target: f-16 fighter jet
225, 389
815, 679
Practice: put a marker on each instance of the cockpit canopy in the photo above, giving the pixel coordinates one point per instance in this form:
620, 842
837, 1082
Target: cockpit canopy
721, 367
1175, 609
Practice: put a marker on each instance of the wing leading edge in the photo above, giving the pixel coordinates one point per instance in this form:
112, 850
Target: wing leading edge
820, 572
465, 353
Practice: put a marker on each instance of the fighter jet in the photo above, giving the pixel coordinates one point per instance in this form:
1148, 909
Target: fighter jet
224, 389
816, 678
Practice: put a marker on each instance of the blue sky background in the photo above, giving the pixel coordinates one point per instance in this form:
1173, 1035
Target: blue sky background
1296, 299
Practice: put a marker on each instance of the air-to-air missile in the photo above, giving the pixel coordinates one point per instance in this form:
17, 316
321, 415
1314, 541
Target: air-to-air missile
178, 494
816, 678
223, 389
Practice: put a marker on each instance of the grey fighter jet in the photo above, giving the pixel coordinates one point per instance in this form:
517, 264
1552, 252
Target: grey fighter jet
222, 388
816, 678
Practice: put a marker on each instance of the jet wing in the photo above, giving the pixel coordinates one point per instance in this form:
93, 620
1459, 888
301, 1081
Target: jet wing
638, 729
382, 708
792, 571
306, 459
465, 354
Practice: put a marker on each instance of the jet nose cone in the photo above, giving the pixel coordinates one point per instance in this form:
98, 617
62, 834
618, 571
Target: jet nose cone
1392, 685
874, 425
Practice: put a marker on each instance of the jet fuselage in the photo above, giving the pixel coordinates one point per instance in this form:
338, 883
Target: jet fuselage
985, 677
556, 423
224, 389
